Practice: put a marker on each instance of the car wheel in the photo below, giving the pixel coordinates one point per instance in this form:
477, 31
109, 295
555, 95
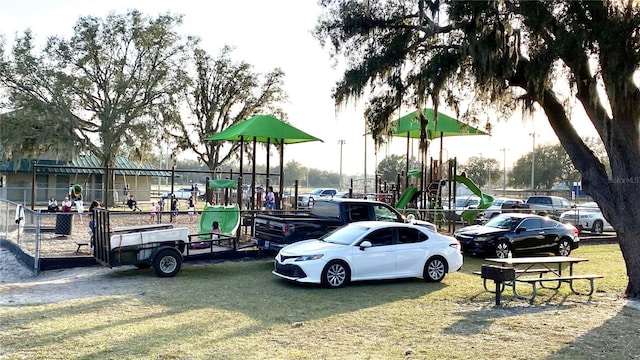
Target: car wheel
434, 269
335, 274
167, 263
564, 248
597, 227
503, 248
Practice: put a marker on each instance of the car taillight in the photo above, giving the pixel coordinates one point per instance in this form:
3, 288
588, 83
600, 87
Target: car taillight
455, 245
575, 230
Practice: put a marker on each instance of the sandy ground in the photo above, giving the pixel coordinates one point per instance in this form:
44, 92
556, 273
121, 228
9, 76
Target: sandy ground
18, 284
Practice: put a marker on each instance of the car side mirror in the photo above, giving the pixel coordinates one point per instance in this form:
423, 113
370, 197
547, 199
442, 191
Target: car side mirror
365, 244
520, 229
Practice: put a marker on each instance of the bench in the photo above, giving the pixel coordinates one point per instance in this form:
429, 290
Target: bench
559, 279
539, 271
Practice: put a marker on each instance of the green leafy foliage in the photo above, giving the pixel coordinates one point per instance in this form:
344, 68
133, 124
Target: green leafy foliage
111, 87
220, 94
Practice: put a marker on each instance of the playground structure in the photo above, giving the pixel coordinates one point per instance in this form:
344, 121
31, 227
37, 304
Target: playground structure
439, 188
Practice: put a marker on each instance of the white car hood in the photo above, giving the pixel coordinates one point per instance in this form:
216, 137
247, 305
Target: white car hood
308, 247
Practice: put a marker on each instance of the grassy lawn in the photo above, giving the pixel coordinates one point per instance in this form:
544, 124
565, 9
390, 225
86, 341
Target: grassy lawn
239, 310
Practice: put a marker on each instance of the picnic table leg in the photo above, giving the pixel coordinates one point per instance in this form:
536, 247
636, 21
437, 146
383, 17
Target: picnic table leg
591, 288
523, 297
484, 284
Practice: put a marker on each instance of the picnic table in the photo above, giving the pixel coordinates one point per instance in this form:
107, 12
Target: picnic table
545, 271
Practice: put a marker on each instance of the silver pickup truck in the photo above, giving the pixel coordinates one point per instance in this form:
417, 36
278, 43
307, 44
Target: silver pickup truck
552, 206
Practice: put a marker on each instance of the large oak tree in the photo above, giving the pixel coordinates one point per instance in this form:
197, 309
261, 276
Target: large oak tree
553, 55
222, 93
111, 87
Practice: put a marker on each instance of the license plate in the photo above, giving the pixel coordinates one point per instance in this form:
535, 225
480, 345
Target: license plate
266, 244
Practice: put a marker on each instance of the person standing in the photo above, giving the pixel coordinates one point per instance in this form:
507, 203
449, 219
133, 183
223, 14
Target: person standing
95, 204
79, 204
174, 209
270, 199
191, 208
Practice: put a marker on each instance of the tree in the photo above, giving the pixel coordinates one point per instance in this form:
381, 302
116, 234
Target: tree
552, 54
552, 166
223, 93
481, 170
293, 171
393, 165
111, 87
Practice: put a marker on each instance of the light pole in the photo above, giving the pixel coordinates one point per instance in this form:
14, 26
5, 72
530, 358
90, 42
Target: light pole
341, 142
504, 171
533, 161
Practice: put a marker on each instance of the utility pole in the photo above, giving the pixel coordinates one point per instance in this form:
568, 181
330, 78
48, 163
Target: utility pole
533, 161
504, 171
341, 142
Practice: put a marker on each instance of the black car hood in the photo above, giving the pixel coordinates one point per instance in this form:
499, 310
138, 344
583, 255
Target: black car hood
481, 230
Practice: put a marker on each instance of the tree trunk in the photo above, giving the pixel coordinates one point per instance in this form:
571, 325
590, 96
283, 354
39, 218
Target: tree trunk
618, 196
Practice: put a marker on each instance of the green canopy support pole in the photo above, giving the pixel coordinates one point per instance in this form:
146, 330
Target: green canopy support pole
268, 182
282, 172
253, 171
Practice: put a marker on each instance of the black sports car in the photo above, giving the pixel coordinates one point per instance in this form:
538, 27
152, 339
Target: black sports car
518, 233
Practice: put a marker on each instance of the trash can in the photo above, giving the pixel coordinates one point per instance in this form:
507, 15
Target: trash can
63, 223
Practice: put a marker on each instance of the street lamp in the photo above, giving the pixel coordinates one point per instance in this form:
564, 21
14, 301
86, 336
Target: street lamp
341, 142
533, 161
504, 171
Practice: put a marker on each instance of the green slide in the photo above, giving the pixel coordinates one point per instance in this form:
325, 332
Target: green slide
410, 192
485, 200
406, 197
227, 216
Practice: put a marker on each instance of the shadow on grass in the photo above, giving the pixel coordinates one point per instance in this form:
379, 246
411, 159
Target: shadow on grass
616, 338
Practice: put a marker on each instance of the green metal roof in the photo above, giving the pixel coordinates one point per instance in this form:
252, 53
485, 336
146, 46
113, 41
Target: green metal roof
74, 166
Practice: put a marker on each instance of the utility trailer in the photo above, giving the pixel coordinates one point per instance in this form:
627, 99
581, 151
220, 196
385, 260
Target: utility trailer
160, 246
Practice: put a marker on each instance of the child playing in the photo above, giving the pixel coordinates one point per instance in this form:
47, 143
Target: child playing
215, 230
152, 213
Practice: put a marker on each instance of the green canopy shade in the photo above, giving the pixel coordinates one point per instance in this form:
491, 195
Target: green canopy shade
446, 126
223, 184
264, 128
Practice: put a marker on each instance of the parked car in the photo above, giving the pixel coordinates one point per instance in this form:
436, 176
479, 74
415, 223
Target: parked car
587, 216
463, 203
517, 234
183, 194
307, 200
499, 206
369, 250
545, 205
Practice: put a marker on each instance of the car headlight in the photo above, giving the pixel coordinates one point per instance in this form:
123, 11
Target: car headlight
481, 238
589, 216
309, 257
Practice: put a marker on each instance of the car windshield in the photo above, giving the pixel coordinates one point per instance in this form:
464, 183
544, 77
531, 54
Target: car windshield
316, 192
345, 235
503, 222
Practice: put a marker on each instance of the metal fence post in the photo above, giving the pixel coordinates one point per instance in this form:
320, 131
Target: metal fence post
36, 251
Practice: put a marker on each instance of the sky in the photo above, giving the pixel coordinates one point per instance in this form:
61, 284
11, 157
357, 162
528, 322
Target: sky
277, 33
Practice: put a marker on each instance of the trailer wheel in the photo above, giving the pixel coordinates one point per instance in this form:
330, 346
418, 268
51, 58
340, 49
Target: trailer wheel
167, 263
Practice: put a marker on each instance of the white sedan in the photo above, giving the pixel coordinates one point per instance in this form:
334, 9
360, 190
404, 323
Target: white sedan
370, 250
